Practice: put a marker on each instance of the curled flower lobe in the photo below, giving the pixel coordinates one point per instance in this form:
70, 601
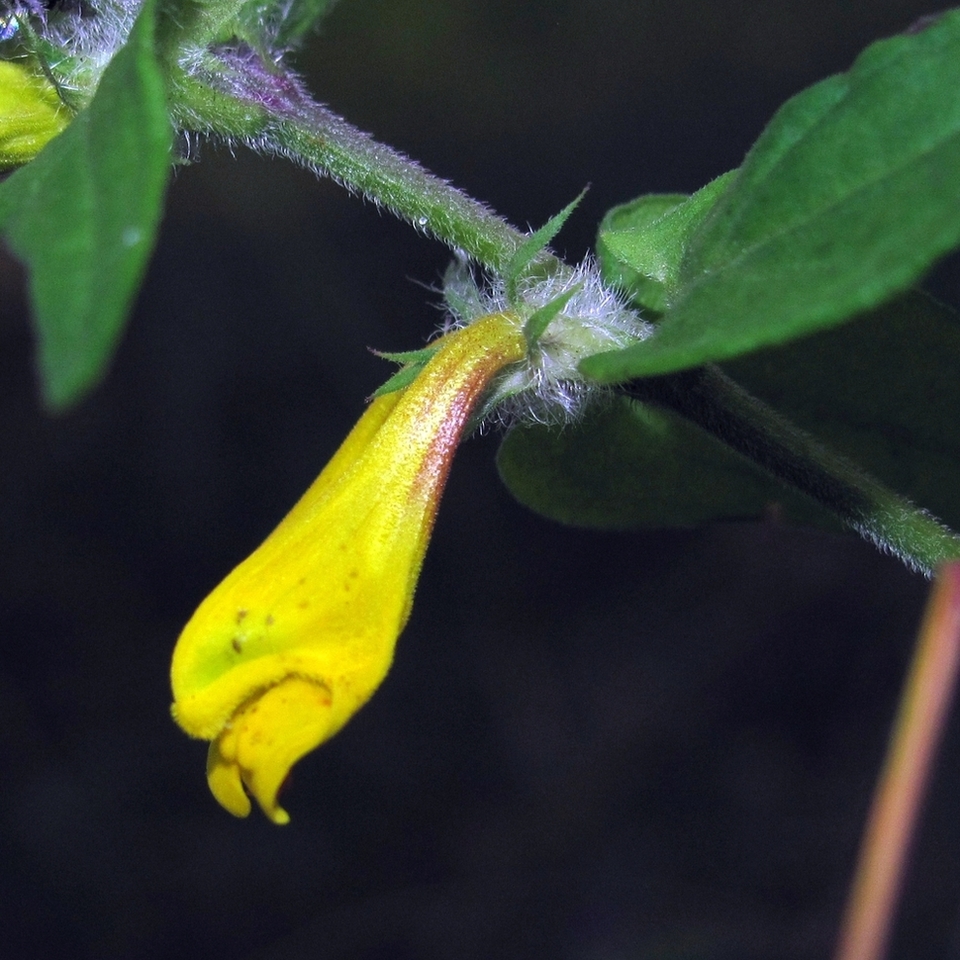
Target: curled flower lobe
296, 639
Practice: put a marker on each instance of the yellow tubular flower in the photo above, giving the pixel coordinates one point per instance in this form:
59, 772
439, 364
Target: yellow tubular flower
296, 639
31, 113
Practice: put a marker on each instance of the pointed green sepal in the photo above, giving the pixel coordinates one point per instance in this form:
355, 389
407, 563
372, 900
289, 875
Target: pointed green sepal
530, 247
402, 378
540, 319
406, 357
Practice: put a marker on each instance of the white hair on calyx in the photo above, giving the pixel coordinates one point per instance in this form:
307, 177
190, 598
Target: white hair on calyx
547, 387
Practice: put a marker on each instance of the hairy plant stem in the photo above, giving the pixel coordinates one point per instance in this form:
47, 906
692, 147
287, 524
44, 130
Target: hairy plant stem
714, 402
273, 113
382, 174
243, 99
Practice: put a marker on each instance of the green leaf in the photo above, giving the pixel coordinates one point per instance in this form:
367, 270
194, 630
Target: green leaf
84, 214
641, 244
533, 244
847, 198
628, 220
632, 466
882, 390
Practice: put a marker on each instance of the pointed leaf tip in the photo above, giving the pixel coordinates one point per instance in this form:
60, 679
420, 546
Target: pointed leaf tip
536, 242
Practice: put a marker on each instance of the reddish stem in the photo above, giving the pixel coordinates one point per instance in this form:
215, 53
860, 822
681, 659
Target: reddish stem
885, 847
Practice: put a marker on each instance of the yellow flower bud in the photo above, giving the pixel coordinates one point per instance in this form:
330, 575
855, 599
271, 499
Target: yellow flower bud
296, 639
31, 113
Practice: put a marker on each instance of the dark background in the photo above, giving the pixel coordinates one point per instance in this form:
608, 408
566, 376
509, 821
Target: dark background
592, 746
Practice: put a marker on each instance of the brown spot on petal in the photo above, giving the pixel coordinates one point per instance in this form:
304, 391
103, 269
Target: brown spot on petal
241, 615
237, 644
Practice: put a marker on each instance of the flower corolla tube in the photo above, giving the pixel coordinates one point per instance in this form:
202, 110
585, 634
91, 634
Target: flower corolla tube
296, 639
